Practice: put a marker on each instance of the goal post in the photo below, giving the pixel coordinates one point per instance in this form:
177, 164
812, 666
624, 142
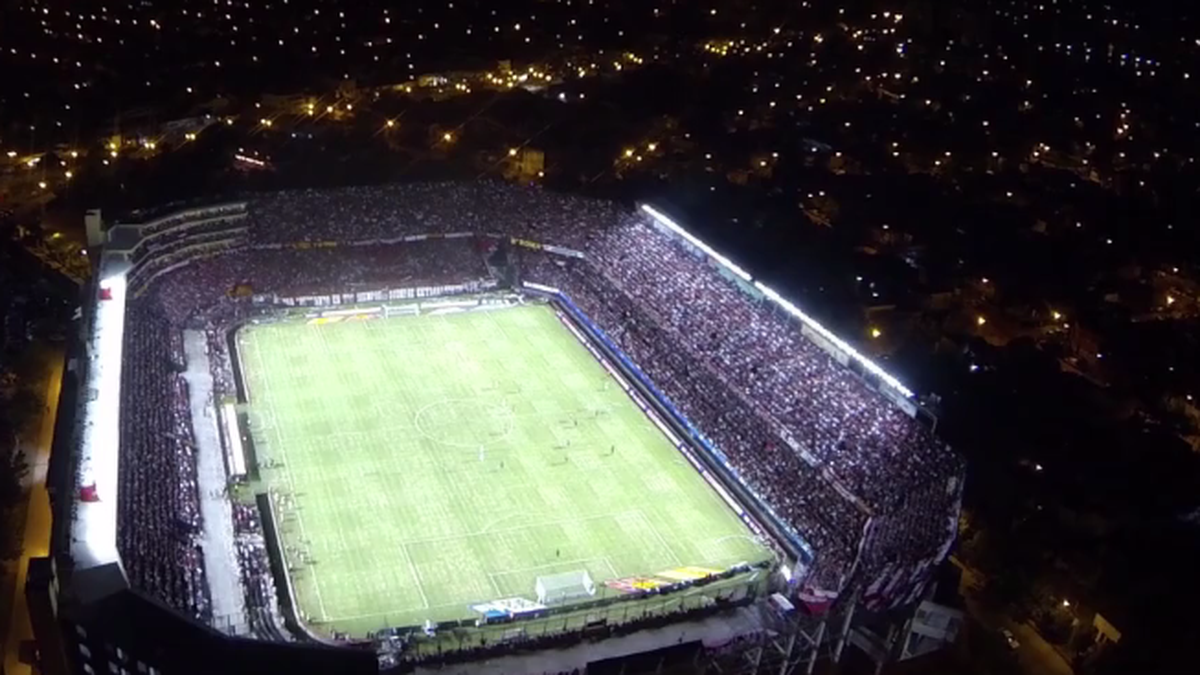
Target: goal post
565, 587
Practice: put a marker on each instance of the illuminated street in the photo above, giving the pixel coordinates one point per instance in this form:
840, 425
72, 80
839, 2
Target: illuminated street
37, 522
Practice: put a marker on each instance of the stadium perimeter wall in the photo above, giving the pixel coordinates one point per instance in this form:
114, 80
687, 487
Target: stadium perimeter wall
712, 462
283, 580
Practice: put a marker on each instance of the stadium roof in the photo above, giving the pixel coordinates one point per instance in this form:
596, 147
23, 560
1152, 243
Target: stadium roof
94, 526
174, 643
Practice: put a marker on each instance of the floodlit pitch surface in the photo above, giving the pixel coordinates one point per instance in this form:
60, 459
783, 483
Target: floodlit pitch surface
441, 460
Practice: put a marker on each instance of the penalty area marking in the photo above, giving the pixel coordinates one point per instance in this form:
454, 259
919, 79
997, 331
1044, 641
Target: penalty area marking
579, 562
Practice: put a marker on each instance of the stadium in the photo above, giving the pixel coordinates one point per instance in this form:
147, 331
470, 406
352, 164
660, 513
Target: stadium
386, 428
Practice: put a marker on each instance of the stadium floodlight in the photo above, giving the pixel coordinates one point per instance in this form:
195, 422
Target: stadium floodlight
674, 227
837, 341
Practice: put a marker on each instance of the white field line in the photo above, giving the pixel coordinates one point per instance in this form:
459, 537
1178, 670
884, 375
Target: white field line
611, 570
658, 535
416, 577
557, 563
518, 528
585, 363
291, 484
355, 617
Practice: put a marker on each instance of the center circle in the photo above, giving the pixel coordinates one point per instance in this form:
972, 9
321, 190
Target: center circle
465, 422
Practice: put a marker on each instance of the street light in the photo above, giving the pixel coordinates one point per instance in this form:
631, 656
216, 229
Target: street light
980, 320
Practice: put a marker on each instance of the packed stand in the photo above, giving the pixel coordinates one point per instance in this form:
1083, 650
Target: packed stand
255, 567
796, 493
158, 524
739, 369
207, 285
166, 242
156, 225
877, 451
390, 211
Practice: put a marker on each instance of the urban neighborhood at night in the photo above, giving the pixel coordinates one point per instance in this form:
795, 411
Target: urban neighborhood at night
599, 336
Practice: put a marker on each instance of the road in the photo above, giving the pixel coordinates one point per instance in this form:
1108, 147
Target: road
37, 521
1035, 656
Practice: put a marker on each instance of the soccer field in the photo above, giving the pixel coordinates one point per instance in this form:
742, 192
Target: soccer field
436, 461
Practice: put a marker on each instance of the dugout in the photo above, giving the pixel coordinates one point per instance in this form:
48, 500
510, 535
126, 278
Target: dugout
565, 587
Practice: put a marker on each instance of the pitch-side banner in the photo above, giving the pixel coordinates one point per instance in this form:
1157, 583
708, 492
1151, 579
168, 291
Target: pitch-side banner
526, 243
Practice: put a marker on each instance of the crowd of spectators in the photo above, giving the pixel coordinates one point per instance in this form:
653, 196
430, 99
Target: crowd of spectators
159, 504
154, 225
845, 425
255, 568
798, 495
215, 283
199, 233
740, 373
822, 450
389, 211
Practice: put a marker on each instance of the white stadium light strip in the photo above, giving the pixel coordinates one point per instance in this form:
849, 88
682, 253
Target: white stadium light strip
674, 227
94, 528
782, 302
837, 341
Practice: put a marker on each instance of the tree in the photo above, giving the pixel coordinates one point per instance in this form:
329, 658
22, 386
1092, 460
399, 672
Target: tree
14, 468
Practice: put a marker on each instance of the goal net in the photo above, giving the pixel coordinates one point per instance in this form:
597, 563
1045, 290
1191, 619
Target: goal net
565, 587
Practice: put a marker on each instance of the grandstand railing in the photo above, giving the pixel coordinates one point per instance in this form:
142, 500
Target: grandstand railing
168, 222
150, 246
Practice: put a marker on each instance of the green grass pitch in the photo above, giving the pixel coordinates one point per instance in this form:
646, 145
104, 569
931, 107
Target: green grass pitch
439, 460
